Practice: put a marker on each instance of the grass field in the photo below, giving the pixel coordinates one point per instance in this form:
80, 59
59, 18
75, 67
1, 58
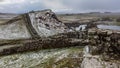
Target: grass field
3, 20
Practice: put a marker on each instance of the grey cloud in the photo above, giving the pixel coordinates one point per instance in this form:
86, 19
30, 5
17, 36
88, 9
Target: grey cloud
99, 5
1, 0
74, 5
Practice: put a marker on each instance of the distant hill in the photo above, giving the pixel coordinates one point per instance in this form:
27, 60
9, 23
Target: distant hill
7, 15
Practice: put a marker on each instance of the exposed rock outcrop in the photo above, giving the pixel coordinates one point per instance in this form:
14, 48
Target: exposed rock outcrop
46, 23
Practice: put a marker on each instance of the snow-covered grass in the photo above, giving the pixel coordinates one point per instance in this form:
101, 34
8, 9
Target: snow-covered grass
15, 30
40, 58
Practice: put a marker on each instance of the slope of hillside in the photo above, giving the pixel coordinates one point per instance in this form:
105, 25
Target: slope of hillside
14, 29
35, 24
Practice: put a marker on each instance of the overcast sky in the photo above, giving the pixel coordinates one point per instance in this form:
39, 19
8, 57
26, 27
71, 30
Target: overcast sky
72, 6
